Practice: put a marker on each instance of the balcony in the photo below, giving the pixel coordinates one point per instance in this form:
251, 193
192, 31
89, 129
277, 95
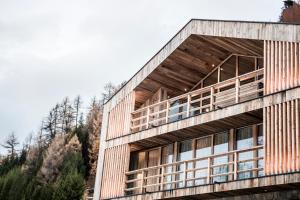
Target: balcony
229, 92
217, 168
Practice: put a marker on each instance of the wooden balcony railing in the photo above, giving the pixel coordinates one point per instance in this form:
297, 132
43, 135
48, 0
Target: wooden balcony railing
234, 165
225, 93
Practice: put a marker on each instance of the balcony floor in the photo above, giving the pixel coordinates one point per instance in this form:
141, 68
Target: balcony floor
244, 119
290, 181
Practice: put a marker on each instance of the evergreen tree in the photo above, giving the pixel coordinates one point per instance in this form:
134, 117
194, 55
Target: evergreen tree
69, 187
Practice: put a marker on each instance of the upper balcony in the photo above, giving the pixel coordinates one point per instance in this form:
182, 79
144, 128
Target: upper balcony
221, 94
202, 74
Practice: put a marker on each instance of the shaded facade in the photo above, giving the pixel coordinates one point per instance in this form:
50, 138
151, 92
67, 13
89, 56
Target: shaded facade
214, 114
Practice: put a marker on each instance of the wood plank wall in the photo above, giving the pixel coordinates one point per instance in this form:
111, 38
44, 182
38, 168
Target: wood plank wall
282, 137
116, 162
120, 116
282, 68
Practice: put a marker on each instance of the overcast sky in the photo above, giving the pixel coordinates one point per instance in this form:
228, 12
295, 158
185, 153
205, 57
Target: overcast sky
51, 49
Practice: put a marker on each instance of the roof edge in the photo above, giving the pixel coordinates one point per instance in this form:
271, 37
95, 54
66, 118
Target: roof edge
191, 20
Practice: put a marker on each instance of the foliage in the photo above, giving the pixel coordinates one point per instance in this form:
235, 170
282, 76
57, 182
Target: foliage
11, 162
70, 186
59, 161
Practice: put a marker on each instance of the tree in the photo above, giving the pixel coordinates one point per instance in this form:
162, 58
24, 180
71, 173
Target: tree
70, 186
50, 125
66, 116
77, 105
11, 144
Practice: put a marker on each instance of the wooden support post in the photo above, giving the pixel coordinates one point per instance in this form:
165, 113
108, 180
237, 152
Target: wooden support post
255, 152
194, 156
208, 181
237, 88
235, 166
148, 115
237, 66
174, 167
231, 156
158, 169
188, 105
167, 111
162, 178
142, 183
184, 174
212, 92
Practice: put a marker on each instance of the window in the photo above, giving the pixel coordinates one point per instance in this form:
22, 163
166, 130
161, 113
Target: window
212, 148
203, 149
185, 152
153, 160
220, 146
137, 161
260, 141
166, 158
244, 139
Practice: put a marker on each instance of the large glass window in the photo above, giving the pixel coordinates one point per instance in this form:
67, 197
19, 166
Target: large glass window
260, 141
203, 149
153, 160
244, 140
166, 158
185, 152
137, 161
220, 146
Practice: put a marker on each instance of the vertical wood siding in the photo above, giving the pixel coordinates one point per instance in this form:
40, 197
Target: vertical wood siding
282, 137
116, 162
120, 116
282, 68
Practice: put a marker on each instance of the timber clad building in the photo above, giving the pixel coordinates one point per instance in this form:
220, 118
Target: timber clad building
214, 114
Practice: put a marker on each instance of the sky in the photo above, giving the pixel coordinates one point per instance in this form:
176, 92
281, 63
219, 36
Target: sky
50, 49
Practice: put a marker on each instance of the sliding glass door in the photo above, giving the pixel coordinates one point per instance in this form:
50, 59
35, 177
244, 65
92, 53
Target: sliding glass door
203, 149
220, 147
244, 140
185, 152
167, 156
153, 160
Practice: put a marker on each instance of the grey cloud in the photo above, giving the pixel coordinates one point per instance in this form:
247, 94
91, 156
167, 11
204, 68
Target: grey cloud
51, 49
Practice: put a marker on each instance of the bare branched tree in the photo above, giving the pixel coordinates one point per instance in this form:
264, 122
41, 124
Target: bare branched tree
77, 106
109, 90
66, 115
10, 144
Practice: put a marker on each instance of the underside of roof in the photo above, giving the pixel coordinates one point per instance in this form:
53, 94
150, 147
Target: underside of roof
193, 60
196, 49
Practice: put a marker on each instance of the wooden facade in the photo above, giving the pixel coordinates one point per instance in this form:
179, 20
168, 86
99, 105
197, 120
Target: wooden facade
185, 80
116, 164
118, 122
282, 61
282, 137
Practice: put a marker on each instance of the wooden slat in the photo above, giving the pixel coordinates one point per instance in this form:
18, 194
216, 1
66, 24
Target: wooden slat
116, 162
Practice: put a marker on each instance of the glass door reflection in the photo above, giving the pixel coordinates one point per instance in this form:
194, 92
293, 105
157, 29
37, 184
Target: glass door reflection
220, 146
203, 149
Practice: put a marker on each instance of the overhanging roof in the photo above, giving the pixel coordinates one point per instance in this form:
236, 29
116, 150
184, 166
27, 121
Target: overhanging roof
199, 30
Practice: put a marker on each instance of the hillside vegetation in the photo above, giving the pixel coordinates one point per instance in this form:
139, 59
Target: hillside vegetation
59, 161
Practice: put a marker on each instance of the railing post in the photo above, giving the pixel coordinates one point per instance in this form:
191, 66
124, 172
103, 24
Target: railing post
188, 105
235, 165
167, 111
237, 89
184, 173
142, 184
208, 170
212, 92
148, 115
162, 178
